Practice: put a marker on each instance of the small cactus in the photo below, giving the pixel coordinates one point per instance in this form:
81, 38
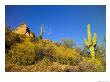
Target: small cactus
91, 43
41, 32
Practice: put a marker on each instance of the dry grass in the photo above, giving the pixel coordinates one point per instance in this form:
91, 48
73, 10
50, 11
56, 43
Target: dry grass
48, 56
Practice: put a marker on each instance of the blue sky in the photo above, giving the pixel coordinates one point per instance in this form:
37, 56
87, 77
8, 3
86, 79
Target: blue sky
66, 21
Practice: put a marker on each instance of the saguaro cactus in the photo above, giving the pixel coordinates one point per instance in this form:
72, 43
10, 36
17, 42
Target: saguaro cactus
91, 43
41, 32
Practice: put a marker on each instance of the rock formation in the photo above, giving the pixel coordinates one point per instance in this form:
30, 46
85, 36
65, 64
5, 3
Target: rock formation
24, 30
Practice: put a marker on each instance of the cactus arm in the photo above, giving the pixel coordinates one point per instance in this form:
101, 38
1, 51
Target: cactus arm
94, 39
86, 43
89, 35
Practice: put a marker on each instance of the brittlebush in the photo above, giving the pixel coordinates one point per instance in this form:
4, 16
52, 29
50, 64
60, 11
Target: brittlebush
22, 53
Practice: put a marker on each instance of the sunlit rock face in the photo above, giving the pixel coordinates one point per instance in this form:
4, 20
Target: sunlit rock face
23, 29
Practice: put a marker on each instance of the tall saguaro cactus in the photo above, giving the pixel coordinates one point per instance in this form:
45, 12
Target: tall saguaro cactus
91, 43
41, 32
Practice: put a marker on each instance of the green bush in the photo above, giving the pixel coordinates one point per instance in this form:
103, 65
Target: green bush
69, 43
45, 61
22, 53
67, 55
11, 38
57, 53
91, 65
44, 49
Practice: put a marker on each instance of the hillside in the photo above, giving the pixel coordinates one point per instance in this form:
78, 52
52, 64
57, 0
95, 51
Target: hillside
26, 52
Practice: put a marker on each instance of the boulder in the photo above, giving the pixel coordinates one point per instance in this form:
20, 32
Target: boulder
24, 30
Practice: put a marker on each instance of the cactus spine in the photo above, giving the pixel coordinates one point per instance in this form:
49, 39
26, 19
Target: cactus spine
41, 32
91, 43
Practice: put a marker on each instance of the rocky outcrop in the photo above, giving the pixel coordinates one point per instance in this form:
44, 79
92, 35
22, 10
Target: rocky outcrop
24, 30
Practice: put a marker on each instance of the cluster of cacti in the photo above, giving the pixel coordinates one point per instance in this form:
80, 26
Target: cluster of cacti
91, 43
41, 32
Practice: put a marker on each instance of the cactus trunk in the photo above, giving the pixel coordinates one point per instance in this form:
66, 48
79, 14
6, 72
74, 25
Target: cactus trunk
89, 35
92, 52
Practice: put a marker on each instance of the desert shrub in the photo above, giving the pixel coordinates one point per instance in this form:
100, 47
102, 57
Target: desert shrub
58, 53
22, 53
68, 43
101, 51
101, 54
45, 61
11, 38
36, 39
91, 65
66, 55
44, 48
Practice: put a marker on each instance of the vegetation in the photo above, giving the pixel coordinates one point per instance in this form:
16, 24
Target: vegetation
11, 38
25, 55
22, 53
91, 43
41, 32
68, 43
